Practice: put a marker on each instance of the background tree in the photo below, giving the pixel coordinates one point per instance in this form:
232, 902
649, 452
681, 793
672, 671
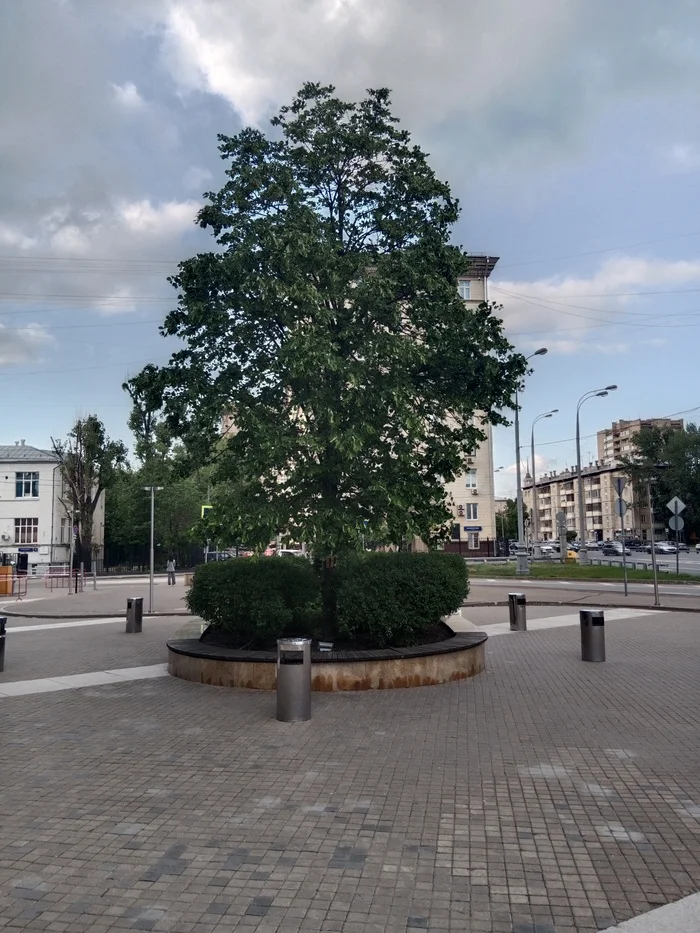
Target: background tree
680, 451
329, 324
89, 463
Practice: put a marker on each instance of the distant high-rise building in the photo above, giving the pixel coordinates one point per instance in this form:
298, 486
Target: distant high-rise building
616, 441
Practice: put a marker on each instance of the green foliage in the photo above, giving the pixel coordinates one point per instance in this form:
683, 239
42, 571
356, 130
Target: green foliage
328, 323
679, 453
90, 463
392, 598
178, 508
251, 601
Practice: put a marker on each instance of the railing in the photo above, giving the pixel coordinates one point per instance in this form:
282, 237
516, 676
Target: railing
58, 578
19, 584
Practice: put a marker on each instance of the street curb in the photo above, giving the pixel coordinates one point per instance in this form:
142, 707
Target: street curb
91, 615
580, 605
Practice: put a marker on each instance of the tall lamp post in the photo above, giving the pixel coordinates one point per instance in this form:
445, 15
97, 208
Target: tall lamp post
152, 490
594, 393
521, 558
496, 514
536, 550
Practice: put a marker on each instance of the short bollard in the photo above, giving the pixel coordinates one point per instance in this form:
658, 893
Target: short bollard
592, 634
517, 608
293, 679
3, 636
134, 614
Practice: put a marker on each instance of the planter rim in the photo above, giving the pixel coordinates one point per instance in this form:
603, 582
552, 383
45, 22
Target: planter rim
193, 647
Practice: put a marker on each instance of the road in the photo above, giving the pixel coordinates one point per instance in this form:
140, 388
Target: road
484, 589
687, 563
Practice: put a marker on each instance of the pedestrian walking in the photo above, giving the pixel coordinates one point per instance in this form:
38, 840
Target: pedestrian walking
170, 567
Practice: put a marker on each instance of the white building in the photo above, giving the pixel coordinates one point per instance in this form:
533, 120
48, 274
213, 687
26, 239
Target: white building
34, 524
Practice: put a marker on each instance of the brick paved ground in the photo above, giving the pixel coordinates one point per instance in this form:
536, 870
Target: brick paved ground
544, 796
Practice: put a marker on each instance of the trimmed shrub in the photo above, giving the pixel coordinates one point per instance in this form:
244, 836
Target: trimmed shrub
395, 598
251, 601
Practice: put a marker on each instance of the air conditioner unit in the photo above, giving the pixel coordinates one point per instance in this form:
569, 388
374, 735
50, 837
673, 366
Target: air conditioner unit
475, 492
5, 537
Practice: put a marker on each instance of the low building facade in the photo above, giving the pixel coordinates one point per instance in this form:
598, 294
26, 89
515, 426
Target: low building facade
35, 528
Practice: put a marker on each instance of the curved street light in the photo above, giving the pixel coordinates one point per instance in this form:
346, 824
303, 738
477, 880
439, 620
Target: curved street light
536, 551
594, 393
521, 566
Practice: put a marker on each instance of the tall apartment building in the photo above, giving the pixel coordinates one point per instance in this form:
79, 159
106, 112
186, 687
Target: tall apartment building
472, 492
616, 441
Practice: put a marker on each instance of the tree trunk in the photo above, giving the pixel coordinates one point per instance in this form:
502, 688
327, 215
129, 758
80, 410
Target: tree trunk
329, 599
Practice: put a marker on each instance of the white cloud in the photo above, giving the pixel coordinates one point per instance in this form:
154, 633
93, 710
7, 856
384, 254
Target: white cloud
105, 257
23, 344
571, 310
503, 75
127, 96
682, 157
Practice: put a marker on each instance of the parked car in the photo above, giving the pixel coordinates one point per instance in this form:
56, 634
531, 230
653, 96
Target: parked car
697, 548
683, 548
547, 550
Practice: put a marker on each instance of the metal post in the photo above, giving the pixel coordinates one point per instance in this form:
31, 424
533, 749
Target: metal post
150, 582
3, 636
72, 552
582, 554
536, 552
653, 546
517, 611
82, 576
521, 550
624, 558
675, 512
94, 577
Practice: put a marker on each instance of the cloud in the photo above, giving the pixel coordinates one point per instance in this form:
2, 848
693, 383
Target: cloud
681, 158
569, 309
23, 344
504, 75
127, 96
110, 257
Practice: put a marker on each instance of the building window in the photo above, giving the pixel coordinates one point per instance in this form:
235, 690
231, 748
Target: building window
473, 540
464, 287
26, 530
455, 532
27, 485
64, 529
470, 479
472, 511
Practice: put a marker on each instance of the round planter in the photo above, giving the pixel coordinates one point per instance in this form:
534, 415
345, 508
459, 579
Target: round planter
455, 658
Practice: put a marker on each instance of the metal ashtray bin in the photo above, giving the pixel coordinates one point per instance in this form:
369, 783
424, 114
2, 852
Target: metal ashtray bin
3, 636
592, 634
518, 612
293, 679
134, 614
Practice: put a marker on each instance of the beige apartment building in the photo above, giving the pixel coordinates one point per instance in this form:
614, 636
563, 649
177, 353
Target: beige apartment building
616, 441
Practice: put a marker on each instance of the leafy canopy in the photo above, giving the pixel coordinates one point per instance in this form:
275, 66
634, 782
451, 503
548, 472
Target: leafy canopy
328, 324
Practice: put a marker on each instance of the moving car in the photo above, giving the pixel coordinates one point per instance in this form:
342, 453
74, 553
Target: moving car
615, 549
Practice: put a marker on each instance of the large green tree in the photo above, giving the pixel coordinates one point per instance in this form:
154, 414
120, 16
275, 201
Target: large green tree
670, 459
90, 463
328, 323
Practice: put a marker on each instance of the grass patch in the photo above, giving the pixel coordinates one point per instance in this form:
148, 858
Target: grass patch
577, 572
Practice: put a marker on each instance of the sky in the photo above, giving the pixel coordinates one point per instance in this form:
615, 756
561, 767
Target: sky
569, 130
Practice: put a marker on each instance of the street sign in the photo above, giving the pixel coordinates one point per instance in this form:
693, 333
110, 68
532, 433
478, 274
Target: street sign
676, 523
619, 482
620, 507
676, 505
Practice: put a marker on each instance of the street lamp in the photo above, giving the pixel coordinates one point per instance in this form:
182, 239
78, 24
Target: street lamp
536, 551
503, 518
152, 490
594, 393
521, 559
